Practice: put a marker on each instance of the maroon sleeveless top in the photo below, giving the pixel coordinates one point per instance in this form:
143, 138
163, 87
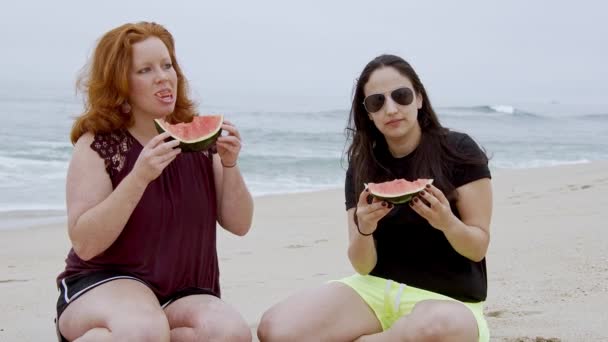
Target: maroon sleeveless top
170, 239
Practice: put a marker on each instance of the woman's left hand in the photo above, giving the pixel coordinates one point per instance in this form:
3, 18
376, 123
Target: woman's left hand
229, 146
432, 204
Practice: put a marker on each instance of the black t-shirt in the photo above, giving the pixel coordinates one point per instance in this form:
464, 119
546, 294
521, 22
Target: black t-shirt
410, 250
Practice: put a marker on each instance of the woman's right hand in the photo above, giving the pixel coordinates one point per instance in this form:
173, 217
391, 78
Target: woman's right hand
154, 157
368, 214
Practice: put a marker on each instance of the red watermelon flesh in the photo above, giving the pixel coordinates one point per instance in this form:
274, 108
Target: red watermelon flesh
196, 135
397, 191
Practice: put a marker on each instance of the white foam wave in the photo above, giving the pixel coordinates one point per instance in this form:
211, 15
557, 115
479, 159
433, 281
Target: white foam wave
503, 109
536, 163
47, 144
265, 190
260, 185
492, 110
295, 154
54, 208
23, 164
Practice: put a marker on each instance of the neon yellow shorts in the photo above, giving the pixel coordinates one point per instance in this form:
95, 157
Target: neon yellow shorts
391, 300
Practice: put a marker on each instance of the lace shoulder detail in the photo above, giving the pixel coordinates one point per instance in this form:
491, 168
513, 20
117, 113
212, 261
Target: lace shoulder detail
113, 148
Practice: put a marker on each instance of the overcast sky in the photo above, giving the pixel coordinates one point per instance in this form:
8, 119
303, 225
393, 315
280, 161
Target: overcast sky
284, 55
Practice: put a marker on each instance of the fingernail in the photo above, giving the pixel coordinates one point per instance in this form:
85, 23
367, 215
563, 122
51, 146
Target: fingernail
423, 192
416, 199
383, 203
428, 186
390, 205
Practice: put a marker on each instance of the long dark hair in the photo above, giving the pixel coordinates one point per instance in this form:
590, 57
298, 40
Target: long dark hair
432, 157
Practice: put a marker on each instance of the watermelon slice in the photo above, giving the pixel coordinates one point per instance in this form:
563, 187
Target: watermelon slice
397, 191
194, 136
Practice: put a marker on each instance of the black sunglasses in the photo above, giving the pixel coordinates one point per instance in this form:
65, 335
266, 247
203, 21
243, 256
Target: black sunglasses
403, 96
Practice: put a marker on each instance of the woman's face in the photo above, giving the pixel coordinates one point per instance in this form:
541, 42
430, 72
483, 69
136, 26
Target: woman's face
392, 103
152, 80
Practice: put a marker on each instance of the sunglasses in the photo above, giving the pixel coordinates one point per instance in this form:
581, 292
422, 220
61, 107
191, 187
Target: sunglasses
403, 96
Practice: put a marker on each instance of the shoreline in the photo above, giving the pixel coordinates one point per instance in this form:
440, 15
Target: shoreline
17, 218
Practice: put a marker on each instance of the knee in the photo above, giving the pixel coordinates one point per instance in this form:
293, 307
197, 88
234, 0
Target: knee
433, 331
237, 335
233, 331
240, 333
272, 329
141, 327
437, 325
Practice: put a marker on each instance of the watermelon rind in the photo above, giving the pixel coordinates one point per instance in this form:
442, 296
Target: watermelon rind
396, 200
400, 198
196, 145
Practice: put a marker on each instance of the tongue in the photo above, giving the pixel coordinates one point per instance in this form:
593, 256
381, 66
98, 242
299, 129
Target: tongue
164, 96
164, 93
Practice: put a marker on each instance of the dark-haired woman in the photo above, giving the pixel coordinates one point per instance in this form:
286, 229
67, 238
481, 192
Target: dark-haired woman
420, 267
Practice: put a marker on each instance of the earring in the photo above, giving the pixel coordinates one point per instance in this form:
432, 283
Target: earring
125, 107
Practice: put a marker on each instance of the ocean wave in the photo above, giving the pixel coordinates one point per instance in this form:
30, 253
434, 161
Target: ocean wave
497, 109
48, 144
40, 155
311, 155
331, 113
279, 190
33, 210
19, 163
598, 116
25, 97
35, 151
261, 186
535, 163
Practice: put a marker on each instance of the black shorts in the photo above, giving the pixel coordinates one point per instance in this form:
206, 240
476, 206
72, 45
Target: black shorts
72, 287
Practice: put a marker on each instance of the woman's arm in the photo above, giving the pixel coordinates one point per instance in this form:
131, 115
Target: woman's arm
96, 214
362, 247
234, 202
469, 236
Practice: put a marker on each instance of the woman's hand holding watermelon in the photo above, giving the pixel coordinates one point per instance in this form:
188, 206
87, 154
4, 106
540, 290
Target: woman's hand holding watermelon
229, 146
432, 204
368, 214
154, 157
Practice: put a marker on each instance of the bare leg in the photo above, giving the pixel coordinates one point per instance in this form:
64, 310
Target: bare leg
332, 312
205, 318
119, 310
95, 334
432, 320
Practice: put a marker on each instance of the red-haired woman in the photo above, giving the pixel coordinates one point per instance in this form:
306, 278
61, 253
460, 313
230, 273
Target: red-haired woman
141, 215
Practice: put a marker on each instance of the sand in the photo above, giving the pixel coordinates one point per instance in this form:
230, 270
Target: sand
547, 262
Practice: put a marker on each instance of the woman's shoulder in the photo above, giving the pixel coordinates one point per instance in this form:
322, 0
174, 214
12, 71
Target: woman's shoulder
84, 140
110, 143
112, 147
457, 138
462, 142
469, 161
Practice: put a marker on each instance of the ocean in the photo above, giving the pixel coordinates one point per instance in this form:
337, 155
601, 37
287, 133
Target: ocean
287, 152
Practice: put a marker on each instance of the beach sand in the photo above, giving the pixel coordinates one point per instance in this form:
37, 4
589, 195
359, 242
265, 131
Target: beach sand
547, 262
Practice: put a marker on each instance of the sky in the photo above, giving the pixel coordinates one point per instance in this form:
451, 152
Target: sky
306, 55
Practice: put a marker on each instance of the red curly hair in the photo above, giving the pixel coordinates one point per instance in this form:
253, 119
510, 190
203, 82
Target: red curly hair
105, 81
